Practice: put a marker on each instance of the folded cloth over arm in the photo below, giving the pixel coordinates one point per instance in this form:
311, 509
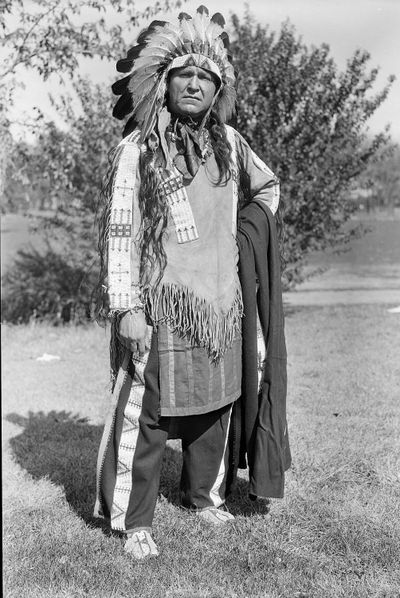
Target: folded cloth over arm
259, 429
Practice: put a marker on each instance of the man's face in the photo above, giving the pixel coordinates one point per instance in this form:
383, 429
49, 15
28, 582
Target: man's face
190, 91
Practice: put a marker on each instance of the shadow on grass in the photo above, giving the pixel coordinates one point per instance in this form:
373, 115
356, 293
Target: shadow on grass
63, 448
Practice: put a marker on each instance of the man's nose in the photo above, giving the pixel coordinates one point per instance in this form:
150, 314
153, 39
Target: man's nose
193, 83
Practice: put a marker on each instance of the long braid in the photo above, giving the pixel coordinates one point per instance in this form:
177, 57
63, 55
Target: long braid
221, 147
154, 220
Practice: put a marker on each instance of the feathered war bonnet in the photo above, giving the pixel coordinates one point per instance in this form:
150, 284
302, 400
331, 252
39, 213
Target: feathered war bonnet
199, 41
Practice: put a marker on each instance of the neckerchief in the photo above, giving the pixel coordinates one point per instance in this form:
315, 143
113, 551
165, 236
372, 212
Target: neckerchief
193, 146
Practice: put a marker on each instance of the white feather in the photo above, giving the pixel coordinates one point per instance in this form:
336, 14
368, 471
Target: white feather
148, 110
142, 87
213, 32
200, 24
187, 30
165, 38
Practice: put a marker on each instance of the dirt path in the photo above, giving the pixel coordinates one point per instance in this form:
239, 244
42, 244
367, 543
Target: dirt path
348, 286
389, 297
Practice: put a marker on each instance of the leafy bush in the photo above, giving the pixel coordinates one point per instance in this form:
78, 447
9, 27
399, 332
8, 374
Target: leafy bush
308, 121
303, 116
47, 286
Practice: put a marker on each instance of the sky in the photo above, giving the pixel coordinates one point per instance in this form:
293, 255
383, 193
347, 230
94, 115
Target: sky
345, 25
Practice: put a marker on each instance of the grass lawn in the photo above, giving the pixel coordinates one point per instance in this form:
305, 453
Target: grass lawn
335, 534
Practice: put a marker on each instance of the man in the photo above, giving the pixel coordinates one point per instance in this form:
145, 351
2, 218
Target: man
169, 242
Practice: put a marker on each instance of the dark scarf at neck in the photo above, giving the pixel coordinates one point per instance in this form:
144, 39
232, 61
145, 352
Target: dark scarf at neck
192, 143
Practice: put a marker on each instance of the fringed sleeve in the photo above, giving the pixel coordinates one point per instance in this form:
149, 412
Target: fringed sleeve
119, 226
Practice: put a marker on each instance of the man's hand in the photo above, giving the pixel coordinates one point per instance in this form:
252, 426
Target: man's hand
133, 332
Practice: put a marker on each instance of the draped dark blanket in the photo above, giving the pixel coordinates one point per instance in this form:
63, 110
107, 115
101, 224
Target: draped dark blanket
259, 428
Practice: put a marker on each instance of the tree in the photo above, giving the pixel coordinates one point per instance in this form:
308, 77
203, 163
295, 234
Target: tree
65, 164
382, 180
307, 121
51, 38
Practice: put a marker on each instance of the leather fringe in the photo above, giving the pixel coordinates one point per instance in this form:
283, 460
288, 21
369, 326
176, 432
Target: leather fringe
117, 349
194, 318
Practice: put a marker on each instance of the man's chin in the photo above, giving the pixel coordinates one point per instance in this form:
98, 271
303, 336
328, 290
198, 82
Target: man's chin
192, 111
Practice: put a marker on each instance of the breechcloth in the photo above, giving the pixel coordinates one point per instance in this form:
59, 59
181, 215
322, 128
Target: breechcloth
204, 450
